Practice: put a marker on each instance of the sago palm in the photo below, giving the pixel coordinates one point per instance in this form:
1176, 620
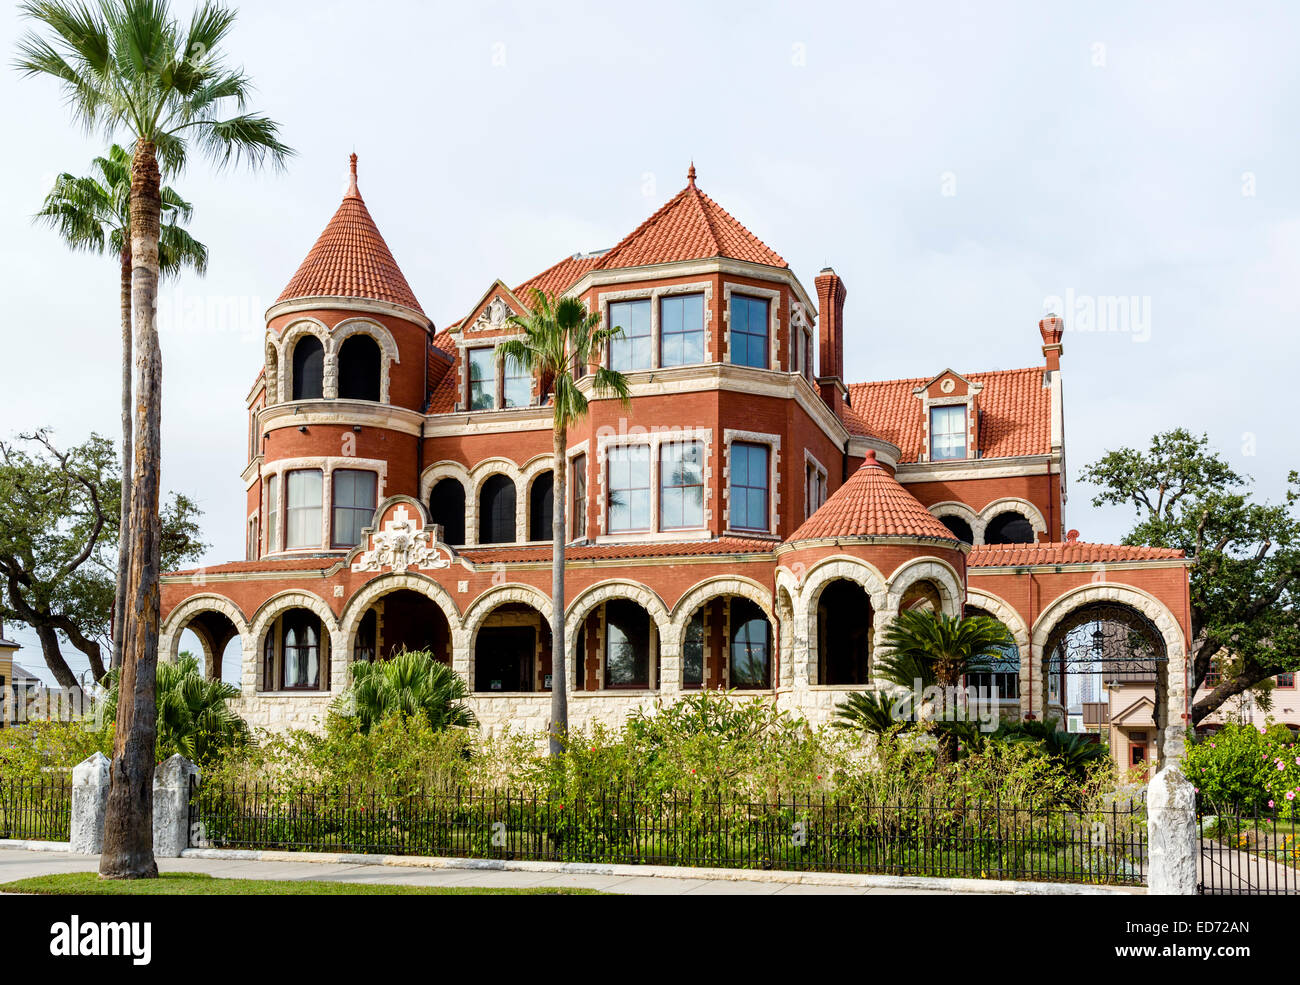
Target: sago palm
556, 337
411, 683
93, 213
923, 648
128, 68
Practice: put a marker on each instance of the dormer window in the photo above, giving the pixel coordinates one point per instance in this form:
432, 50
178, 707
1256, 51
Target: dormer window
947, 433
482, 379
630, 350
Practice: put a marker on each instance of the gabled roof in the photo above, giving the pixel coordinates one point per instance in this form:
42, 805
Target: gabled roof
872, 503
1072, 552
1016, 413
1140, 713
557, 279
350, 259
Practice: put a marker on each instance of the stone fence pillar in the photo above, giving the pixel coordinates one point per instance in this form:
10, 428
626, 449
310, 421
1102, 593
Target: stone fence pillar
89, 800
171, 806
1173, 839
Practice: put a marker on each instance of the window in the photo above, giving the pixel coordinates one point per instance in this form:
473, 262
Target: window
308, 369
359, 368
353, 505
541, 507
947, 433
1213, 676
518, 384
750, 643
272, 514
301, 651
959, 528
496, 511
748, 486
447, 507
681, 328
268, 660
629, 488
631, 350
681, 485
363, 650
303, 509
627, 644
504, 658
1286, 680
693, 652
748, 331
578, 519
1009, 528
814, 489
482, 379
252, 538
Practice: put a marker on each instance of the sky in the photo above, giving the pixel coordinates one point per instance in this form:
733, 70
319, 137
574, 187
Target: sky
964, 167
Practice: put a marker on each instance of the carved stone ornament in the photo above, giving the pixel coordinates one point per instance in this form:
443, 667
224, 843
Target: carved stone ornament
493, 317
401, 545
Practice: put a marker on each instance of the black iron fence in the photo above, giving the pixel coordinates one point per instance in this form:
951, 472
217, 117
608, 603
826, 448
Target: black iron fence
1248, 853
36, 809
959, 838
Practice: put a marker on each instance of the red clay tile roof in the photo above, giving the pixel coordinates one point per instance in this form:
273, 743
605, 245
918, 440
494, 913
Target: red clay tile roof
266, 564
1016, 408
351, 259
871, 504
1020, 555
609, 552
557, 279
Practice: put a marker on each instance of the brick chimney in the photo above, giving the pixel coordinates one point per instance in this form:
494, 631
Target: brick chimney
831, 293
1051, 328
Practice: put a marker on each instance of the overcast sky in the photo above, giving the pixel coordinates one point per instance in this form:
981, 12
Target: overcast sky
960, 165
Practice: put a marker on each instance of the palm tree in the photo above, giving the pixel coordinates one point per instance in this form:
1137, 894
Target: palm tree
126, 66
94, 214
560, 338
931, 648
412, 683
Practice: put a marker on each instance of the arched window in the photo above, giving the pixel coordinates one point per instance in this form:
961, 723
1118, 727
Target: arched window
295, 653
308, 369
627, 644
959, 528
359, 368
541, 507
496, 511
1003, 674
1009, 528
447, 506
923, 596
751, 646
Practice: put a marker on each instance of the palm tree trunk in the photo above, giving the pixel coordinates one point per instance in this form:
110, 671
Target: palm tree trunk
559, 679
124, 536
128, 821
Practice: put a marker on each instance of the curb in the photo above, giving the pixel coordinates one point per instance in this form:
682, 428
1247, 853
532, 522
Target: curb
35, 846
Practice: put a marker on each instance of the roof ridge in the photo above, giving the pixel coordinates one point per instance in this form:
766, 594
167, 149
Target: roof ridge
969, 376
700, 200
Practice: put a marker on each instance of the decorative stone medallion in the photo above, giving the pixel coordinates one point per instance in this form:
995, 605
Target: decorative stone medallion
401, 545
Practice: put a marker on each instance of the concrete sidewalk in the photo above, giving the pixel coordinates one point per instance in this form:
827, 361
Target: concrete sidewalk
19, 863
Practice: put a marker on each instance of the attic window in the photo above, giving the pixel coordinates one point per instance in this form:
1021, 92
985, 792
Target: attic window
947, 433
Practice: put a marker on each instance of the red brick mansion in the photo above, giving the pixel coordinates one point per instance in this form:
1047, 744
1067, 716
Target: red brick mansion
751, 520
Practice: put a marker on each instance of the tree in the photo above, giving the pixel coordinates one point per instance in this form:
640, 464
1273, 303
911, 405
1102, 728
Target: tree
59, 536
932, 649
411, 683
559, 338
1243, 586
93, 213
128, 66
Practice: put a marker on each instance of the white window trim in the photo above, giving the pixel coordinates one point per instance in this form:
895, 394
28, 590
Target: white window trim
773, 299
809, 459
654, 295
653, 440
463, 345
326, 466
773, 441
801, 329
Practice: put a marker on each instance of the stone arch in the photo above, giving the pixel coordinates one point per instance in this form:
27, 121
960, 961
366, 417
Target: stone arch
531, 471
712, 588
480, 474
604, 591
804, 638
294, 331
388, 352
1011, 504
940, 573
282, 602
482, 606
179, 618
445, 469
386, 585
962, 511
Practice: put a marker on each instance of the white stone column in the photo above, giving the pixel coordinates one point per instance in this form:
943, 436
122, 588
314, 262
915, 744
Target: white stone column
1173, 840
171, 806
90, 780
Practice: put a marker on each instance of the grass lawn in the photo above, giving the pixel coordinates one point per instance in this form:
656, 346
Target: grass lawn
200, 884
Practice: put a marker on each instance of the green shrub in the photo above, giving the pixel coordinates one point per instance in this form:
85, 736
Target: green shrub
1246, 768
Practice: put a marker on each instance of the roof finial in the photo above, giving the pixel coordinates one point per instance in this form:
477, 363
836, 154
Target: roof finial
690, 175
353, 191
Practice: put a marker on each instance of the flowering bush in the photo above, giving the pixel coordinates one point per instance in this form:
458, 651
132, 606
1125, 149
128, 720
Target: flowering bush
1247, 768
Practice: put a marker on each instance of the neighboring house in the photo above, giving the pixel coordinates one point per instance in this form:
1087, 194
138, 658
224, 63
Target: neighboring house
753, 520
7, 650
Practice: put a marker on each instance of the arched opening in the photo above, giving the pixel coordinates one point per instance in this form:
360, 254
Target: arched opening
295, 653
923, 596
751, 645
402, 620
959, 528
512, 650
447, 507
1003, 676
844, 621
359, 368
308, 369
213, 640
617, 646
727, 643
541, 507
1009, 528
496, 511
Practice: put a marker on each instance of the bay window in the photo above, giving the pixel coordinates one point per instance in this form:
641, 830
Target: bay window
681, 328
631, 349
681, 485
353, 506
629, 488
303, 489
749, 481
748, 341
